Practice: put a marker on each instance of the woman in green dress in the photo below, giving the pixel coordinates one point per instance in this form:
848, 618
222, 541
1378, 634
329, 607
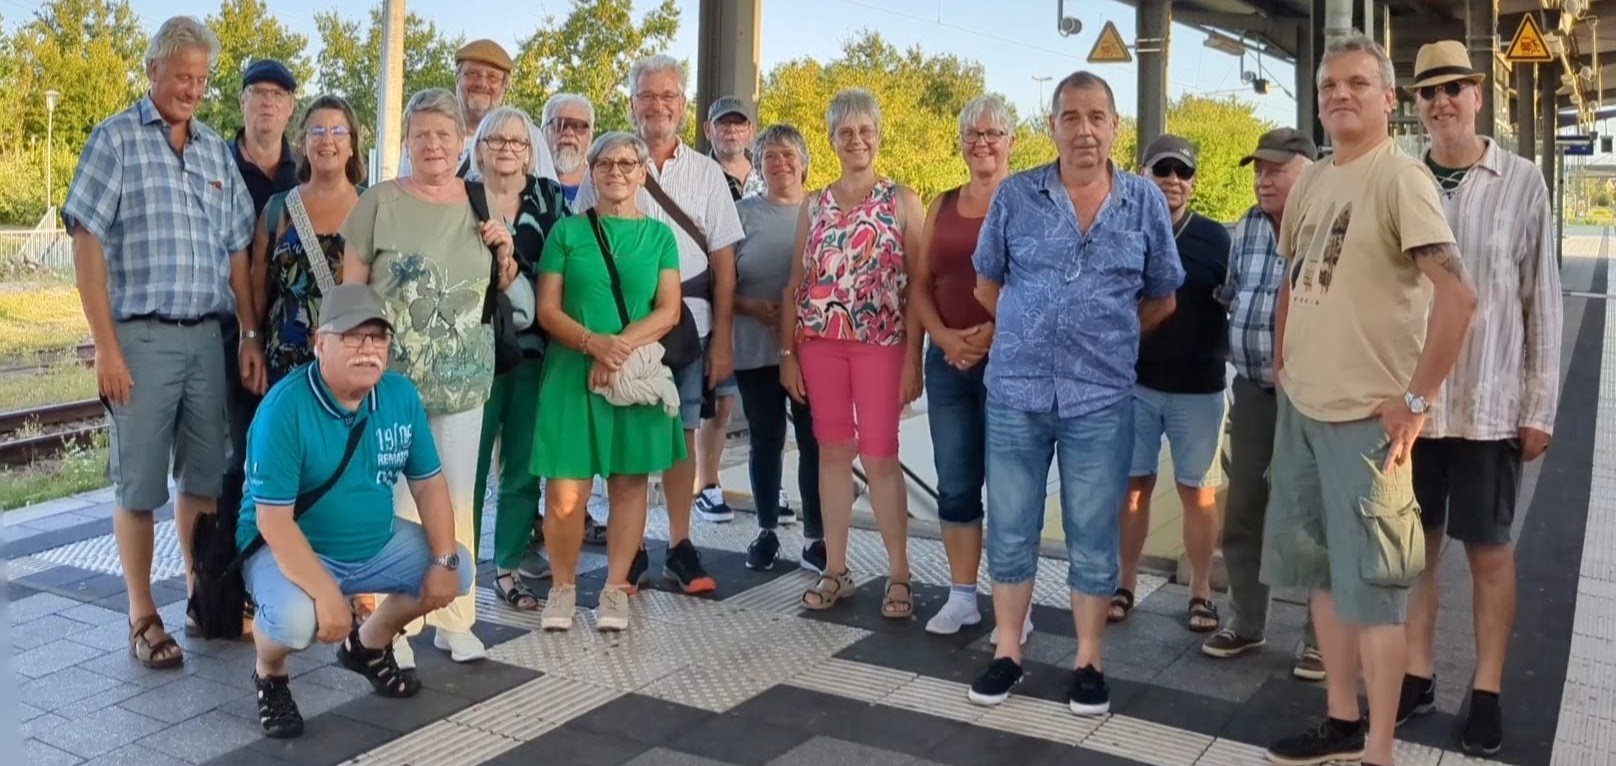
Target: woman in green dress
580, 435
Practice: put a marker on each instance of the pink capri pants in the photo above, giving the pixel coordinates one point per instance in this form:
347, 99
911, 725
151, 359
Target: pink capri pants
853, 388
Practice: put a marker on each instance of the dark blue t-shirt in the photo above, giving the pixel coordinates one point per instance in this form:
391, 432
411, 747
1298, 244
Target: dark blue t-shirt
1187, 353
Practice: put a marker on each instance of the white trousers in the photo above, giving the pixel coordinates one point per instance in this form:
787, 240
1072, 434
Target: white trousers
457, 438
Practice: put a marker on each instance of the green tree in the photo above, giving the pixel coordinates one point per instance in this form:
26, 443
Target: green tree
590, 53
1222, 130
349, 61
247, 32
91, 51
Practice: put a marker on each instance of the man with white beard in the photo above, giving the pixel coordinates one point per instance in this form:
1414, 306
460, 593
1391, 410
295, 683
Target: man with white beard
482, 73
569, 128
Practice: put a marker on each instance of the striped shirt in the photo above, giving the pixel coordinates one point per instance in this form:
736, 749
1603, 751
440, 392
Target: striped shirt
1507, 376
1255, 271
168, 221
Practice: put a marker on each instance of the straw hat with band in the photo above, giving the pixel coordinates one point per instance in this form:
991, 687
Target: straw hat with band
1443, 62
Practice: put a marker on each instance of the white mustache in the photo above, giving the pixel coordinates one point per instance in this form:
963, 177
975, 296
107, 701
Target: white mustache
568, 159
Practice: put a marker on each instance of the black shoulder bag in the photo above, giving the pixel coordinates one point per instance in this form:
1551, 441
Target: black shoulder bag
683, 343
220, 593
497, 311
681, 346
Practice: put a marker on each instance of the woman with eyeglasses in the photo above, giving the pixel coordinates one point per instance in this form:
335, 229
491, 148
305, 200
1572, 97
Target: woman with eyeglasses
530, 206
580, 433
417, 240
297, 250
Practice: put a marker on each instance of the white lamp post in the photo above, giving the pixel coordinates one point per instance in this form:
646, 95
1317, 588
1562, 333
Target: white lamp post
51, 97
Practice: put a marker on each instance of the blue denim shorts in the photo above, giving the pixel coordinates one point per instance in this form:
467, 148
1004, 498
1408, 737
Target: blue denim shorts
285, 614
692, 383
956, 410
1193, 427
1093, 451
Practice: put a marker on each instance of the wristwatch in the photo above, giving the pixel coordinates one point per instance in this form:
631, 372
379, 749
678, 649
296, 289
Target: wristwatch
249, 334
1416, 404
450, 561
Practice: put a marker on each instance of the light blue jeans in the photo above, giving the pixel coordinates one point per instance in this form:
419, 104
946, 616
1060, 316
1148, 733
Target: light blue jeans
1094, 451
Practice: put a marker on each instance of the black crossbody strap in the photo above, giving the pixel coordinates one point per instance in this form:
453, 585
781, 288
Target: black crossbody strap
677, 213
306, 500
611, 266
479, 208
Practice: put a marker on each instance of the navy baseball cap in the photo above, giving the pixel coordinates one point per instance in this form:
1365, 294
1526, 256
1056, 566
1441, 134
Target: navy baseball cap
271, 71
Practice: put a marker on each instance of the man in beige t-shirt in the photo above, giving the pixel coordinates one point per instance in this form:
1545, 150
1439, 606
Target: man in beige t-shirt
1371, 317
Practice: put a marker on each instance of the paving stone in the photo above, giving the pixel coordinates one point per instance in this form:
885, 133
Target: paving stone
63, 687
36, 633
181, 699
206, 736
135, 755
34, 511
51, 657
114, 728
312, 700
33, 728
91, 614
36, 753
37, 606
107, 637
55, 521
27, 712
339, 678
826, 751
660, 757
122, 666
95, 703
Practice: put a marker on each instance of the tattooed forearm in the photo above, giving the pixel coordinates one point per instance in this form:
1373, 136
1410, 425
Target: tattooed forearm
1443, 254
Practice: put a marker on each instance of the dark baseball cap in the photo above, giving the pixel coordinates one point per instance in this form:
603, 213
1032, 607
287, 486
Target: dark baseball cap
725, 105
272, 71
1280, 145
1170, 147
345, 307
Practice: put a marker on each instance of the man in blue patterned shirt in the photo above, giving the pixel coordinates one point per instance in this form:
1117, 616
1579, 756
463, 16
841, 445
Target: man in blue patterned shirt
160, 221
1076, 261
1255, 271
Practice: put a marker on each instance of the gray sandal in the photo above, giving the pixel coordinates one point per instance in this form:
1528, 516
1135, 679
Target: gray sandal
828, 590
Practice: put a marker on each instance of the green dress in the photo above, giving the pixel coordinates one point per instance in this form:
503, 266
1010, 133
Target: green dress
579, 435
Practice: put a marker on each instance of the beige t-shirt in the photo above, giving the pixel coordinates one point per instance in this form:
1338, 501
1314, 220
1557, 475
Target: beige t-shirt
1355, 325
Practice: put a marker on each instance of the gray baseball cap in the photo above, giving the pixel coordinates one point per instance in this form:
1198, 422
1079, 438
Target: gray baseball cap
1170, 147
724, 105
351, 305
1282, 144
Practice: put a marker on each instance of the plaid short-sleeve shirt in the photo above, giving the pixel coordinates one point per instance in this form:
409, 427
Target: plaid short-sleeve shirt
168, 221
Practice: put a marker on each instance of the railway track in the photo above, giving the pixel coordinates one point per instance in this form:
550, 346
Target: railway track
65, 425
39, 360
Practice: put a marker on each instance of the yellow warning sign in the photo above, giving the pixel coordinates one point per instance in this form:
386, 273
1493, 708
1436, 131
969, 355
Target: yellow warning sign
1110, 49
1528, 45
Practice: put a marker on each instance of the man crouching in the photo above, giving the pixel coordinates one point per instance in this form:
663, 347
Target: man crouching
323, 453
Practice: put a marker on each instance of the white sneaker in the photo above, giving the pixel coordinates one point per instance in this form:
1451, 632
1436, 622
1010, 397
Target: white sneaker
559, 607
403, 653
787, 516
955, 614
462, 647
1026, 630
612, 614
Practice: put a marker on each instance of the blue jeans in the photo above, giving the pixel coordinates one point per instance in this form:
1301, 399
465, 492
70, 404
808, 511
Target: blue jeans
765, 403
286, 614
1193, 426
1094, 451
956, 409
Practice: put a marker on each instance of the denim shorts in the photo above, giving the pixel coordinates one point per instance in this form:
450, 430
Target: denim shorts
956, 410
285, 614
1092, 450
691, 380
1193, 427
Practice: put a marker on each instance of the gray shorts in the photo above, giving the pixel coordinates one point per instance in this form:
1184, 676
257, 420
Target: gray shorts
1336, 522
177, 409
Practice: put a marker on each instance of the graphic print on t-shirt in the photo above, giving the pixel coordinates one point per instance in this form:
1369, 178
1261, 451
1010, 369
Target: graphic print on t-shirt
1315, 276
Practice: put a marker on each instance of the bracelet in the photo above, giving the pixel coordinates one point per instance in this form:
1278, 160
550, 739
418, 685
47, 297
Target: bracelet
583, 345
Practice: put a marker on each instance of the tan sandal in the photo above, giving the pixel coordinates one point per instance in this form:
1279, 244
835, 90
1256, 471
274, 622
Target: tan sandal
828, 590
144, 650
893, 607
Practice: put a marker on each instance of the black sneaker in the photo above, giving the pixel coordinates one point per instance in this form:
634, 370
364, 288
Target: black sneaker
1418, 698
710, 505
639, 572
684, 567
994, 684
763, 551
1089, 694
277, 713
1328, 740
1484, 727
814, 558
378, 666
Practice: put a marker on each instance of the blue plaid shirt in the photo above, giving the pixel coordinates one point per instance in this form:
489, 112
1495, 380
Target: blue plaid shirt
1067, 331
168, 222
1255, 270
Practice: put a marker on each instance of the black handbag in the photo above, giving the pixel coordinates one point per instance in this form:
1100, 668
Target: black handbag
220, 593
497, 311
682, 345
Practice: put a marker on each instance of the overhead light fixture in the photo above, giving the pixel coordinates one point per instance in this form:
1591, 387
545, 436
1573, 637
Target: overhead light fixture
1223, 44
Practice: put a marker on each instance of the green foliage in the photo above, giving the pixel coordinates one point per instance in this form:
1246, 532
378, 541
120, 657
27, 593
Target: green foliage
22, 180
1223, 130
91, 51
349, 62
247, 32
590, 53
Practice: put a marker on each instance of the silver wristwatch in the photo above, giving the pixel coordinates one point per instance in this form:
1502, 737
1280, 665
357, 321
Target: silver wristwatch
449, 561
1416, 404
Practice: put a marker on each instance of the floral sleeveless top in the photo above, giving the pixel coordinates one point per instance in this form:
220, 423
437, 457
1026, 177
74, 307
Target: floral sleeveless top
854, 275
294, 299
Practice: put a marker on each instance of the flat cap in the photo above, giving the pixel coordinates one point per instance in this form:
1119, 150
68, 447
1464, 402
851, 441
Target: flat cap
1280, 145
487, 52
271, 71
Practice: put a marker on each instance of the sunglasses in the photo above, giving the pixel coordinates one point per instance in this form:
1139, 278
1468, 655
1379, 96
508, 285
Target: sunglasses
1451, 88
1167, 168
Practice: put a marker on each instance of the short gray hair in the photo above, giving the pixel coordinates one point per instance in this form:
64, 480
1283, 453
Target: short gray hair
661, 62
614, 139
989, 106
1358, 42
566, 99
1082, 80
434, 101
783, 135
182, 32
494, 121
850, 103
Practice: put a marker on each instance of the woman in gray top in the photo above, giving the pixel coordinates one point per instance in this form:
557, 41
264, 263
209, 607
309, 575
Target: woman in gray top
763, 265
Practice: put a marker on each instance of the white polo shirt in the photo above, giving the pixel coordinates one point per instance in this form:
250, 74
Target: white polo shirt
696, 183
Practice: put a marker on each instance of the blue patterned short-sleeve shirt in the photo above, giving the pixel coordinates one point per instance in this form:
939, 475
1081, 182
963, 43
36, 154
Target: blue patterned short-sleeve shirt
1068, 318
168, 221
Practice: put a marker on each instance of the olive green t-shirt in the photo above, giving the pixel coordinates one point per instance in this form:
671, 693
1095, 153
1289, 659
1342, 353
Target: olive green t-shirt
1355, 324
431, 268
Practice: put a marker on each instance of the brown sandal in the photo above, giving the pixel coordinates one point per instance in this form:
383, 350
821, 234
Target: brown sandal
828, 590
895, 608
141, 647
1203, 616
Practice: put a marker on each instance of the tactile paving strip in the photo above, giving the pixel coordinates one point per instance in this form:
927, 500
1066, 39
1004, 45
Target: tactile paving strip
1225, 752
855, 680
934, 696
100, 554
1040, 718
1148, 742
551, 700
439, 743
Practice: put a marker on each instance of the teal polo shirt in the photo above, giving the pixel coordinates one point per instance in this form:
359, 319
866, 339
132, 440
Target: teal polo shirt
296, 442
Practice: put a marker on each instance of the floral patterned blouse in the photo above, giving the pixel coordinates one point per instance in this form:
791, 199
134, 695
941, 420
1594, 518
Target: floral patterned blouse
854, 274
294, 299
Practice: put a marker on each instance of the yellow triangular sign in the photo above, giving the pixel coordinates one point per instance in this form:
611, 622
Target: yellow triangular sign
1528, 45
1109, 49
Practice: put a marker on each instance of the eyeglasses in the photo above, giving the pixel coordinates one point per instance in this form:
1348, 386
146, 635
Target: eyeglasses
269, 94
500, 143
1453, 89
1167, 168
666, 98
567, 125
624, 167
989, 137
492, 77
356, 339
335, 133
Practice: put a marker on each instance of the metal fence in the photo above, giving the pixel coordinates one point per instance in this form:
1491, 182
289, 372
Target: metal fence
31, 249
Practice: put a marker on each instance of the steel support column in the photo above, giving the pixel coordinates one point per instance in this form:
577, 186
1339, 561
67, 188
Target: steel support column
1481, 31
1547, 78
1155, 19
1307, 88
727, 53
1526, 111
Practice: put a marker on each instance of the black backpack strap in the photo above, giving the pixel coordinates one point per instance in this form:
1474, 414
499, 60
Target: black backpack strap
306, 500
479, 208
611, 265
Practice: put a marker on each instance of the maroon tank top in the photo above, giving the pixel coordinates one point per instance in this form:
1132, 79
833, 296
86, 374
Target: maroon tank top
953, 242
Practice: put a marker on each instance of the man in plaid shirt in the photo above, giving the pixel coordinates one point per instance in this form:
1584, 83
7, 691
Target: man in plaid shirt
1255, 271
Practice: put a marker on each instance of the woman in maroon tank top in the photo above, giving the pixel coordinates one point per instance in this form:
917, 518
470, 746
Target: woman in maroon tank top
961, 332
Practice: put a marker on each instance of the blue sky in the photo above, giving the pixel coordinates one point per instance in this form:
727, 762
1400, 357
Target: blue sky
1015, 40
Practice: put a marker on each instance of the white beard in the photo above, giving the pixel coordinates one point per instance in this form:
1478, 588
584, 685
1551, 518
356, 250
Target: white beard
568, 160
